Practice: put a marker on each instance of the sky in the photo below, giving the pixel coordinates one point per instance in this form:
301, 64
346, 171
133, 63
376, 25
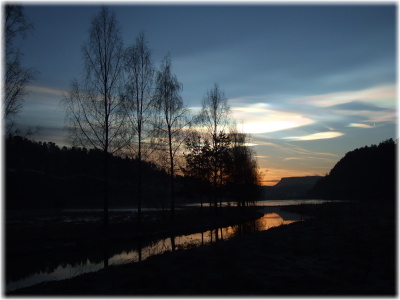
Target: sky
308, 82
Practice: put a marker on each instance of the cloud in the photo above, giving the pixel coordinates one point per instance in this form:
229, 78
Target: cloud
45, 90
307, 158
389, 115
316, 136
359, 125
358, 105
259, 118
292, 149
380, 96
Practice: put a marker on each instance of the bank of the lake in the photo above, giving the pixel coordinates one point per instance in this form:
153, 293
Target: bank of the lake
348, 249
28, 235
42, 247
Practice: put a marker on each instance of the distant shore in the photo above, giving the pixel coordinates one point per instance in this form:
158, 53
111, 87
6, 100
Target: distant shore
348, 249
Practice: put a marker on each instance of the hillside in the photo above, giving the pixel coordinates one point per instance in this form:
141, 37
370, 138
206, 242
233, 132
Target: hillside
367, 173
42, 175
299, 181
290, 188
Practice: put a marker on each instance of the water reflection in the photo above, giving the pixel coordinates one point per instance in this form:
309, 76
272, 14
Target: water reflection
136, 251
272, 220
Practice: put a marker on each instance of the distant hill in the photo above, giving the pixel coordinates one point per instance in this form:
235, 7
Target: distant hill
300, 181
290, 188
367, 173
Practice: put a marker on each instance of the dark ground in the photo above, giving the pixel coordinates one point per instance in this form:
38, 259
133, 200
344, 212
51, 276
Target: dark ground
347, 249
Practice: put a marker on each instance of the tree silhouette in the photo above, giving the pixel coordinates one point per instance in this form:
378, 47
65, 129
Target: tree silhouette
16, 76
243, 176
198, 163
172, 119
94, 110
214, 117
139, 103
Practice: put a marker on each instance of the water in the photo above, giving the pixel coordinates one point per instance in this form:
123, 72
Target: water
134, 251
272, 202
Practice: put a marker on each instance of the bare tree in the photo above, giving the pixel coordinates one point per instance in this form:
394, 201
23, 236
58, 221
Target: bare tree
172, 119
16, 76
214, 117
139, 104
215, 112
94, 110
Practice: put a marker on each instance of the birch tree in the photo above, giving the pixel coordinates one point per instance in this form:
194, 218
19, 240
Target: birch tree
172, 119
95, 118
17, 77
139, 103
215, 118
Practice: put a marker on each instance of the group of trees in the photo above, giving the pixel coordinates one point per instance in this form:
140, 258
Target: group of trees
219, 154
124, 105
226, 170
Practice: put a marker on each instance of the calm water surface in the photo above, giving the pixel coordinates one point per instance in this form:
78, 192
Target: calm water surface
273, 216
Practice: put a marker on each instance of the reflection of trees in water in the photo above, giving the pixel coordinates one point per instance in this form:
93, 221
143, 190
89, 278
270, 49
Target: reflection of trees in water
19, 267
247, 227
137, 250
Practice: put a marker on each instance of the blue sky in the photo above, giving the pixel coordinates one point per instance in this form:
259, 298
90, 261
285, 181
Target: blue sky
308, 82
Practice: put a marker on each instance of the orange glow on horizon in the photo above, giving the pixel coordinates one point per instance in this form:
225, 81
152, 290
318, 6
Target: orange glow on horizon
271, 176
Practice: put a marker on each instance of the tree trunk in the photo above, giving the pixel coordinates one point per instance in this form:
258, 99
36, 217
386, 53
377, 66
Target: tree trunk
171, 157
105, 221
139, 194
105, 217
173, 243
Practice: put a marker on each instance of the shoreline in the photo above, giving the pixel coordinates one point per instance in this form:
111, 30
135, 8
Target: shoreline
54, 234
329, 255
49, 245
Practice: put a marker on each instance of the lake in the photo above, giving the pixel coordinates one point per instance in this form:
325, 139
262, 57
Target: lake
273, 202
134, 251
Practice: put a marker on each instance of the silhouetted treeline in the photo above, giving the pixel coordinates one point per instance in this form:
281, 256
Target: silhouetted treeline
367, 173
221, 166
43, 175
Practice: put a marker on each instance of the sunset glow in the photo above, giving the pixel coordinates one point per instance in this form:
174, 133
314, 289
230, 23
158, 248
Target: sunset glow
323, 101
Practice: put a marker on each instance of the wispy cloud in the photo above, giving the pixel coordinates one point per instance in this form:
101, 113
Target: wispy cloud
381, 96
259, 118
360, 125
300, 150
308, 158
45, 90
316, 136
389, 115
292, 149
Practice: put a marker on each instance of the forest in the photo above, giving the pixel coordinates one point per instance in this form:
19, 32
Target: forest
42, 175
129, 130
367, 173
